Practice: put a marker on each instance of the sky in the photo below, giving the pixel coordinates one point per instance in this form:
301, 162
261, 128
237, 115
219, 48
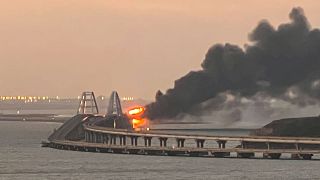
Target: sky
64, 47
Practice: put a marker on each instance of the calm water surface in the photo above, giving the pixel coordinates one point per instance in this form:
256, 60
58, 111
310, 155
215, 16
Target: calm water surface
21, 157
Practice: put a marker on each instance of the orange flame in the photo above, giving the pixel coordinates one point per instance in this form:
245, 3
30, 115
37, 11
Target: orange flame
136, 111
136, 123
135, 114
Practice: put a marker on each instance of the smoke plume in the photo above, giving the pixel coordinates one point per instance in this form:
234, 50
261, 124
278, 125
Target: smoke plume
281, 64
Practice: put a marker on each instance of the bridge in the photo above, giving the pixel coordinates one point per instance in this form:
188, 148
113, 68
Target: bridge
88, 135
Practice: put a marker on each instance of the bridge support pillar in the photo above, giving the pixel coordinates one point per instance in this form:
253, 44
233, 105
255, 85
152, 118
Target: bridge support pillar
90, 136
222, 144
180, 142
94, 137
85, 136
163, 141
147, 141
98, 138
134, 140
122, 140
200, 143
113, 140
106, 139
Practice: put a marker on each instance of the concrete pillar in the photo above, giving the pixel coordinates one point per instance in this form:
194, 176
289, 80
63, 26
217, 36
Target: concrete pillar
147, 141
111, 139
107, 139
136, 141
85, 136
180, 142
95, 137
90, 136
98, 137
120, 140
103, 138
124, 140
163, 141
200, 143
114, 140
222, 144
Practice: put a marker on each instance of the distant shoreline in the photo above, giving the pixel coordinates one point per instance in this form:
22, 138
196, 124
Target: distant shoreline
61, 119
33, 118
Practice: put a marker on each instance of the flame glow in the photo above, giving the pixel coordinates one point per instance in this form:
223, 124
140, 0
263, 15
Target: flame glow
136, 111
136, 123
135, 114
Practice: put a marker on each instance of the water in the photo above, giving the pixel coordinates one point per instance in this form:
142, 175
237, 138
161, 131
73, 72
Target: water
21, 157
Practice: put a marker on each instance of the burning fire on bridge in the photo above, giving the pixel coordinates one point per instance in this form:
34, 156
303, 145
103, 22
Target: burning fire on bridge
138, 121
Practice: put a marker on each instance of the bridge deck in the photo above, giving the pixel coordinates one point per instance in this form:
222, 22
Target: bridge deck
291, 140
182, 149
101, 139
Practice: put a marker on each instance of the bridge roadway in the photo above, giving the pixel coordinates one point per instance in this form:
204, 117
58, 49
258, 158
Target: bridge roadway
184, 150
264, 139
101, 139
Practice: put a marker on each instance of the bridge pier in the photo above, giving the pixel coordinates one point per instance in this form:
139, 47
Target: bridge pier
90, 139
163, 141
122, 140
105, 139
147, 141
113, 140
94, 137
85, 136
180, 142
222, 144
200, 143
99, 138
134, 140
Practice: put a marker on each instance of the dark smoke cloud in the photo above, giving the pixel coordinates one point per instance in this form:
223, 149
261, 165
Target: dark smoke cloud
281, 63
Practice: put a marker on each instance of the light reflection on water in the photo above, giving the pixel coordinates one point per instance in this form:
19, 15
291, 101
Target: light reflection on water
21, 157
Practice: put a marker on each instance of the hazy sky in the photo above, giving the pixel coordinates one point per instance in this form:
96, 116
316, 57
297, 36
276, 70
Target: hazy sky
63, 47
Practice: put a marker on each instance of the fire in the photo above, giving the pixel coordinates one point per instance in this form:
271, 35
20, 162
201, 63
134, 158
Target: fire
136, 111
135, 114
136, 123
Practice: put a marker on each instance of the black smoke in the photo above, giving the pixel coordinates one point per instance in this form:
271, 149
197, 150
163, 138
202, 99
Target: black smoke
282, 63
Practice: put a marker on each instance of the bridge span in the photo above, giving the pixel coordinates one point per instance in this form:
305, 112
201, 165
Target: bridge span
110, 140
112, 133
